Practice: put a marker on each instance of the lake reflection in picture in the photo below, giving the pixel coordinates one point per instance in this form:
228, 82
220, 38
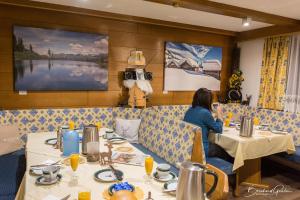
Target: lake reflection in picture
59, 75
55, 60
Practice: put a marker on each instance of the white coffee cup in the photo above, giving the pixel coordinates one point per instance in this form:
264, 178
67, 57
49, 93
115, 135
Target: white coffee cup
163, 170
50, 173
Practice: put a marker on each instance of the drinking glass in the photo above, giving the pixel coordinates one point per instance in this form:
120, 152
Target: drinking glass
227, 122
255, 121
74, 162
84, 196
148, 166
230, 115
99, 125
71, 125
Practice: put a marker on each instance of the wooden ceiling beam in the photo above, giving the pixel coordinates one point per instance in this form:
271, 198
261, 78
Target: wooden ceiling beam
229, 10
267, 31
107, 15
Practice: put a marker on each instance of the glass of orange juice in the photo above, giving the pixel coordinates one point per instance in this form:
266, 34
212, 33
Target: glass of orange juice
149, 166
84, 196
256, 121
99, 125
74, 162
230, 115
227, 122
71, 125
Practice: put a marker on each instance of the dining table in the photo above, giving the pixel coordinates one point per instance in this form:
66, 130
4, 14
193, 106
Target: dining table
248, 152
38, 152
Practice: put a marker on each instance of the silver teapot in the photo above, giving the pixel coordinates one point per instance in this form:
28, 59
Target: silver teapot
191, 183
90, 134
246, 129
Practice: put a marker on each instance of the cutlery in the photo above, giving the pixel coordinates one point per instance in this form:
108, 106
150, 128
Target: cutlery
118, 177
149, 196
45, 165
66, 197
171, 190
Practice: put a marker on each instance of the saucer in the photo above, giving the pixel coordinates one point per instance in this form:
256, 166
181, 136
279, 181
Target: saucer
51, 141
124, 149
106, 175
41, 180
171, 176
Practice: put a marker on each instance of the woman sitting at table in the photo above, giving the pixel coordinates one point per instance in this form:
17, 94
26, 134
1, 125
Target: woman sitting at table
200, 115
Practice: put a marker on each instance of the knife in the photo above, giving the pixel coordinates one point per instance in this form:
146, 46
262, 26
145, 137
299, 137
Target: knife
115, 172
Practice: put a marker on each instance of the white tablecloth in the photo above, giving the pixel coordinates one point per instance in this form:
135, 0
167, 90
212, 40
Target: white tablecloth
259, 145
38, 152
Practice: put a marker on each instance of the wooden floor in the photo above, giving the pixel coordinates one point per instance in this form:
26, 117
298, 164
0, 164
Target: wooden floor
277, 178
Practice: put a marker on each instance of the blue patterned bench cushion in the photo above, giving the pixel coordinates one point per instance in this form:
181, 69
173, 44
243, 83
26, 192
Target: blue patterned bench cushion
5, 117
42, 120
156, 157
279, 120
172, 111
125, 113
171, 139
12, 167
237, 110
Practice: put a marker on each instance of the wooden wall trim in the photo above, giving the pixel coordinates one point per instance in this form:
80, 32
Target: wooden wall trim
266, 32
114, 16
124, 36
230, 10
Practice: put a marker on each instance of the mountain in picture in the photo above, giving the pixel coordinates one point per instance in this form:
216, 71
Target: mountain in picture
193, 66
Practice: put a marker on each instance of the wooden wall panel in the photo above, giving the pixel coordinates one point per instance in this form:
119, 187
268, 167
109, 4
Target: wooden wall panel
123, 38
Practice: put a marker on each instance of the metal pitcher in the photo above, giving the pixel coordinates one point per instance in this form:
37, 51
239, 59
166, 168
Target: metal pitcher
246, 129
191, 183
90, 134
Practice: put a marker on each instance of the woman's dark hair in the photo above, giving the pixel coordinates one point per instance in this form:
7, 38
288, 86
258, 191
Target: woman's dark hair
203, 98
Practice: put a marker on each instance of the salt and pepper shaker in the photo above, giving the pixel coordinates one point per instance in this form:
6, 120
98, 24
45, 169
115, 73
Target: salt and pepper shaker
58, 139
149, 196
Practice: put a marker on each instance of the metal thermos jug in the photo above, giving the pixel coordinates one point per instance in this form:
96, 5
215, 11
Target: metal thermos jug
191, 183
246, 129
90, 134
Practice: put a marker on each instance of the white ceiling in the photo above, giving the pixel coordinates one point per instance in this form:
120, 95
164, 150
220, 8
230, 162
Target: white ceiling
286, 8
162, 12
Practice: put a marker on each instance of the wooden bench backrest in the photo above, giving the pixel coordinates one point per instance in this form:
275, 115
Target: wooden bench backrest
198, 155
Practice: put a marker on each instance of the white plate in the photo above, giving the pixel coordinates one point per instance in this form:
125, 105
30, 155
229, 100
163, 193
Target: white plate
106, 175
117, 141
171, 176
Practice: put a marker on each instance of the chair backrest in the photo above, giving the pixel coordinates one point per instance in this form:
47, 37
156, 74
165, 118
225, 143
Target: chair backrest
222, 189
198, 155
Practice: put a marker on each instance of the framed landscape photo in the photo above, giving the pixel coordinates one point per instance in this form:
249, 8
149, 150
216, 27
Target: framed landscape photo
54, 60
189, 67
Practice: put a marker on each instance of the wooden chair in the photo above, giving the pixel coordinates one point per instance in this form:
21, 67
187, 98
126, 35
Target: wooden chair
222, 189
198, 155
